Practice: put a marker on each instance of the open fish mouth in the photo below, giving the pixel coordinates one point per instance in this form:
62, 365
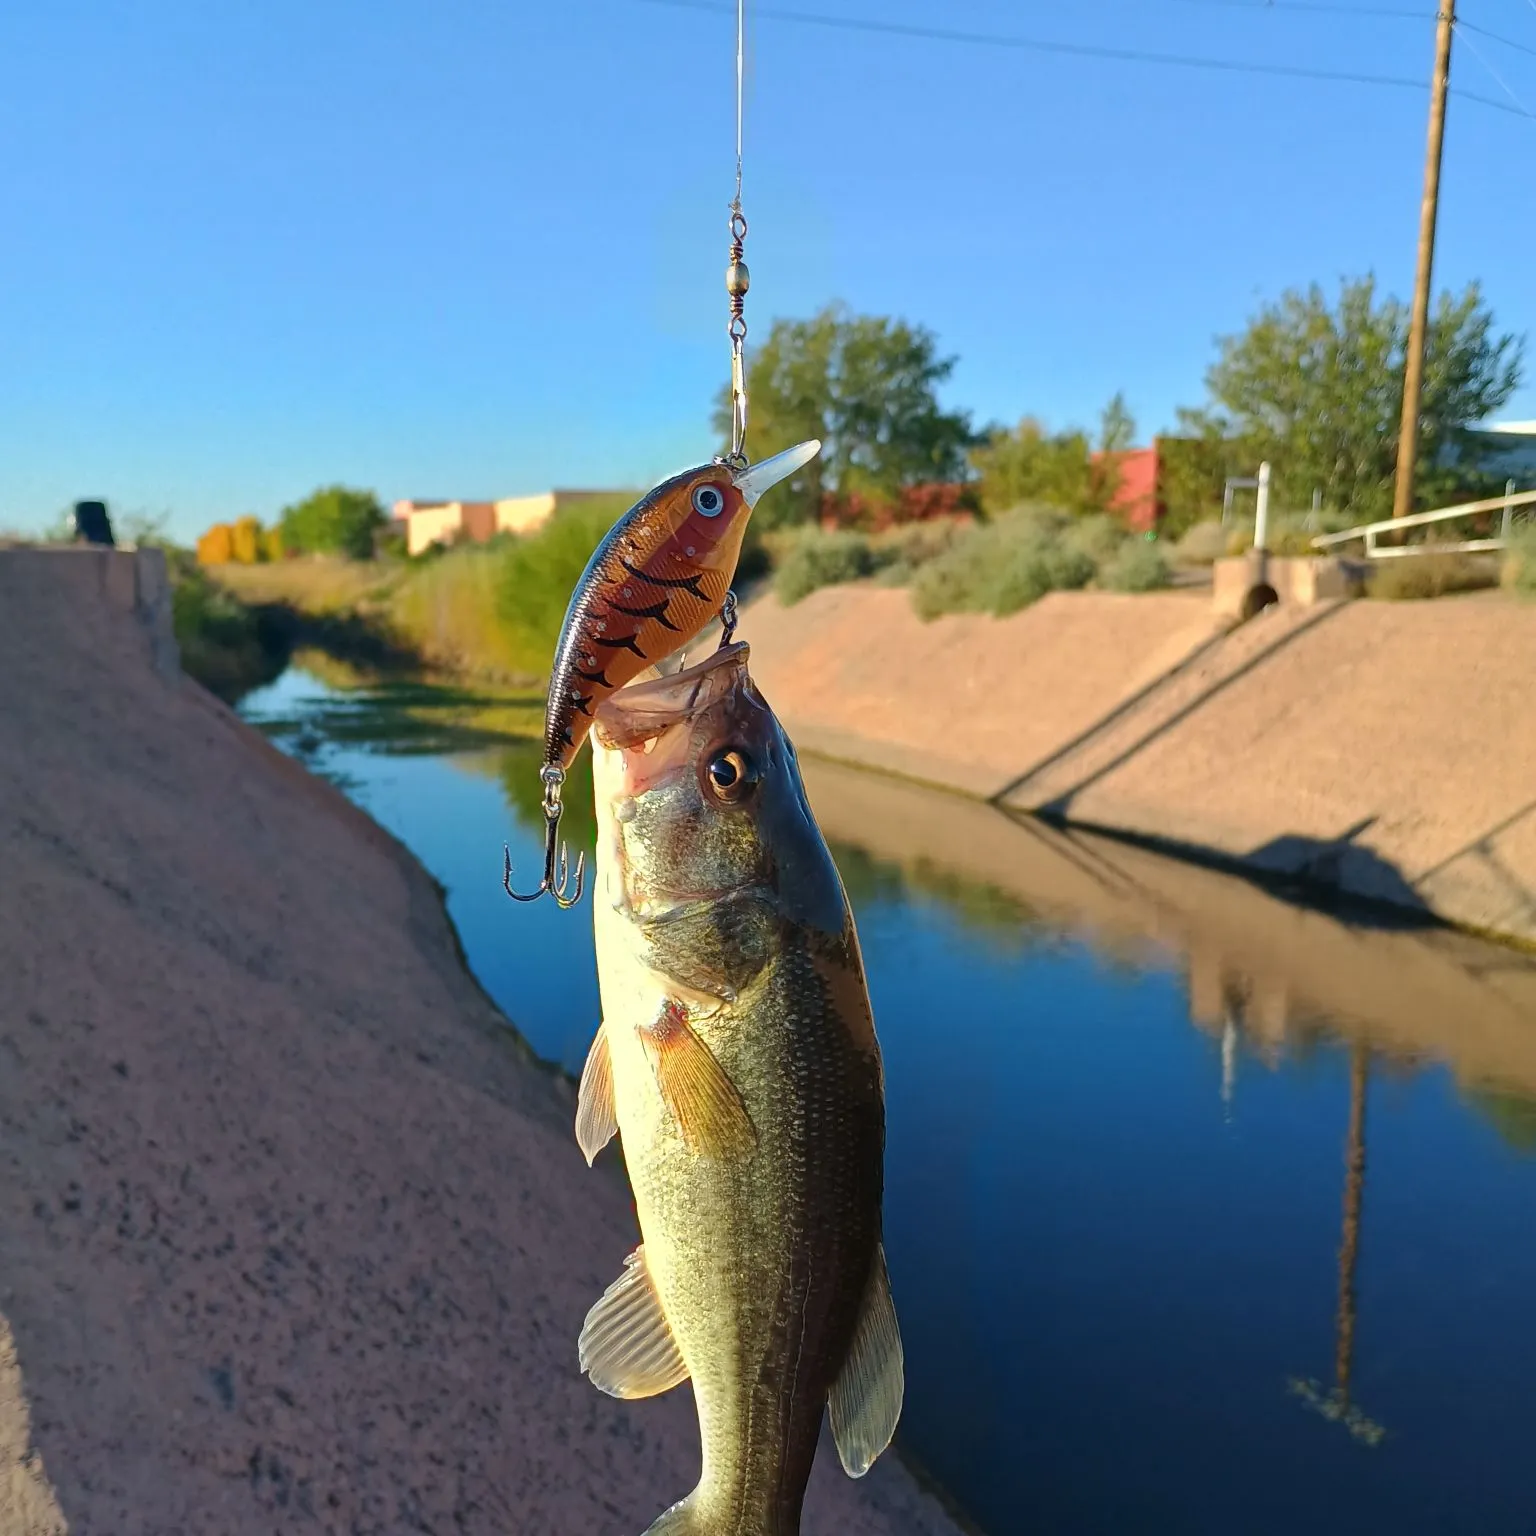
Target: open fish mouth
637, 715
662, 831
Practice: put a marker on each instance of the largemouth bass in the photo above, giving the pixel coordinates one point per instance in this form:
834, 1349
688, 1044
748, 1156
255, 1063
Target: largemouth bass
738, 1063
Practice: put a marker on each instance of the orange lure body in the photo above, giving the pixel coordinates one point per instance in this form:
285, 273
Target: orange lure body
657, 579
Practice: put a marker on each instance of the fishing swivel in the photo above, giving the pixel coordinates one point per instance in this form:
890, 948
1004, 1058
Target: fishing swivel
556, 881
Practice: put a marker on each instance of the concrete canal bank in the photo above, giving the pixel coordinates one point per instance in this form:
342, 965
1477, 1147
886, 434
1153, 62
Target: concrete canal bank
293, 1233
1387, 750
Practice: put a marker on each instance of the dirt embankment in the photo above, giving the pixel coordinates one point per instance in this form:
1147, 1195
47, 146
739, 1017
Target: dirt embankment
293, 1236
1385, 749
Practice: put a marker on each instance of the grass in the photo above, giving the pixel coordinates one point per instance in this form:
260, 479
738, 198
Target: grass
223, 643
490, 611
315, 585
1518, 575
1412, 578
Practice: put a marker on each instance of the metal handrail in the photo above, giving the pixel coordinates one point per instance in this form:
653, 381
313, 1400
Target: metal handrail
1369, 531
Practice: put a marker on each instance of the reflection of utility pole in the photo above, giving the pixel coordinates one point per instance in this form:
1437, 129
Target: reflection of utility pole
1336, 1405
1349, 1244
1228, 1063
1413, 374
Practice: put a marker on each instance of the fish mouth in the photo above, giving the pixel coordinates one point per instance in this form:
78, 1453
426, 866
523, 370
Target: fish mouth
650, 739
633, 716
757, 478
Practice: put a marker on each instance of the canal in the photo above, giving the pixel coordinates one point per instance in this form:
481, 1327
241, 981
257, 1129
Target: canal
1205, 1212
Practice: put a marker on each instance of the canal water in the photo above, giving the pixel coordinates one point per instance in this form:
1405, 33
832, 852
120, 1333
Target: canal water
1205, 1212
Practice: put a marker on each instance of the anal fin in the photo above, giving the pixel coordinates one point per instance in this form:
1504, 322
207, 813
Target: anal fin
596, 1121
700, 1097
865, 1400
626, 1344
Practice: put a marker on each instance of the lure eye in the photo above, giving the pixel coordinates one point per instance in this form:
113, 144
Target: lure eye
732, 775
708, 501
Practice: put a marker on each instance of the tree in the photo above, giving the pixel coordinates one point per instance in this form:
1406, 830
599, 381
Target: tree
1317, 390
1058, 469
333, 521
865, 385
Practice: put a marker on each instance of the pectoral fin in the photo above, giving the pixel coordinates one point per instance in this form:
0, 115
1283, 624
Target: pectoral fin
626, 1343
595, 1118
865, 1400
701, 1098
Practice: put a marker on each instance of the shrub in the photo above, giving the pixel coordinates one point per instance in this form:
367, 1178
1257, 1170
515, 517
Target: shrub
1409, 578
901, 553
1097, 535
1031, 566
1201, 544
1137, 566
537, 574
1002, 566
1519, 568
821, 559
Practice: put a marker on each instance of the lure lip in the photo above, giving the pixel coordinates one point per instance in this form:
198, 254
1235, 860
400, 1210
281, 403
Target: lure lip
757, 478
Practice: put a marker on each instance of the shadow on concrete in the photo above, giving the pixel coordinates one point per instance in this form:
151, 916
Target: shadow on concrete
1338, 864
1061, 804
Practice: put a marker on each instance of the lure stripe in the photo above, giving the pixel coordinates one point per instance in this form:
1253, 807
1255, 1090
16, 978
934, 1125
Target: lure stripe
657, 611
684, 583
627, 643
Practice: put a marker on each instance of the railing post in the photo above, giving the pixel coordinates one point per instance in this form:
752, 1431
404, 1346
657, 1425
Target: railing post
1370, 543
1506, 525
1261, 517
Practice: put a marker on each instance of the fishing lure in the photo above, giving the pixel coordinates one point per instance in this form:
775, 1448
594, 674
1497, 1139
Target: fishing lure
660, 575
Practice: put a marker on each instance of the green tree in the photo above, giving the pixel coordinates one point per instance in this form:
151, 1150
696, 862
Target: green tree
867, 386
1117, 427
332, 521
1317, 389
1028, 464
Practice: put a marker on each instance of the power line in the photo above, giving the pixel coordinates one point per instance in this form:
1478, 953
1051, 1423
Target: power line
1481, 57
1495, 37
1081, 50
1395, 13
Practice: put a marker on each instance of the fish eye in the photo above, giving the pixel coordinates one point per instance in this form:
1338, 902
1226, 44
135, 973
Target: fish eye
731, 775
707, 501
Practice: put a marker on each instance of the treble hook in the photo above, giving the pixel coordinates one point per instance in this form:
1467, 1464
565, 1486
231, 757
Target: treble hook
555, 880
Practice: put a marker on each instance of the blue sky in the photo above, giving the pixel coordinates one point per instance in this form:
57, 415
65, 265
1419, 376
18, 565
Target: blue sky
475, 249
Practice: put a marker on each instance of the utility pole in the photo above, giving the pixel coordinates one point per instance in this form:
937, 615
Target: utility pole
1413, 378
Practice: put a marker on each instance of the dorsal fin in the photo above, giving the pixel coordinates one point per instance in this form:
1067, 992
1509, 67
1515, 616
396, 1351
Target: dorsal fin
626, 1343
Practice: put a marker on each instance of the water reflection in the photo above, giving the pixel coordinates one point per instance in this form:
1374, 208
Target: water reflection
1124, 1248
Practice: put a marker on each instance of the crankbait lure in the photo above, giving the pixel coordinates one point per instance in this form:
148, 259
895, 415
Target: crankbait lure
661, 574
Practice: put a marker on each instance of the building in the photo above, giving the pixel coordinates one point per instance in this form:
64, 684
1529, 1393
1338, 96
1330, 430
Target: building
426, 523
1504, 451
1138, 487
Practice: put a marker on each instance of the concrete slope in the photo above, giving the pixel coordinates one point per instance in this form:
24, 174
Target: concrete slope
293, 1235
1384, 749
